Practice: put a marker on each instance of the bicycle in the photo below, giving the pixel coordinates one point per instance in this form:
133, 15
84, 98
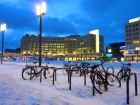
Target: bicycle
75, 66
125, 70
103, 79
30, 71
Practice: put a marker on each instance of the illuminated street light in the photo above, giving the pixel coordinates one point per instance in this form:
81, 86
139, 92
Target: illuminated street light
137, 48
3, 29
109, 50
40, 11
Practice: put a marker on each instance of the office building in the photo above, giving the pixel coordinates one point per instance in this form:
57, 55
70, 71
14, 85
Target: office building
132, 39
73, 47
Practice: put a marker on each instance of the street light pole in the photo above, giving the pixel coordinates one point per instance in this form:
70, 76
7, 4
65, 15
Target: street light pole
40, 12
3, 29
2, 46
40, 41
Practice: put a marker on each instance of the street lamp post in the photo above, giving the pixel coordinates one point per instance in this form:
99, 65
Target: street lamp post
3, 29
41, 10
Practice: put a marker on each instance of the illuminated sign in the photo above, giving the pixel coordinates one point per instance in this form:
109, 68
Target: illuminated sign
134, 20
122, 47
109, 55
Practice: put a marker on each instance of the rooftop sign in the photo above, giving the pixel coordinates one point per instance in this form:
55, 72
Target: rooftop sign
134, 20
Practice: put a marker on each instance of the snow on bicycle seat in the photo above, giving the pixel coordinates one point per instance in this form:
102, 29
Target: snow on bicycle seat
129, 64
35, 62
29, 66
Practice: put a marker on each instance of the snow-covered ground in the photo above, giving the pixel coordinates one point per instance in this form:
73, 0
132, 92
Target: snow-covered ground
16, 91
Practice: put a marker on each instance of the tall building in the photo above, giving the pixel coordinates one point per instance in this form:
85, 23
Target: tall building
132, 39
73, 47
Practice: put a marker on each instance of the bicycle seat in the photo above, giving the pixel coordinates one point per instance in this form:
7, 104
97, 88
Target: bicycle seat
35, 62
129, 64
29, 66
95, 66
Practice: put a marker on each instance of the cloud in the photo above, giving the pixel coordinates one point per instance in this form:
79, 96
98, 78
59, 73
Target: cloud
17, 18
68, 17
9, 2
59, 26
82, 23
12, 38
26, 20
97, 6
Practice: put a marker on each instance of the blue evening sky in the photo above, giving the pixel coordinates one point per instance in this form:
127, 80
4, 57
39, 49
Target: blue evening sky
66, 17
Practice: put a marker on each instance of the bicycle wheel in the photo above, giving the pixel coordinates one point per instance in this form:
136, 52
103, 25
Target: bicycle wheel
47, 72
94, 82
120, 74
99, 81
113, 80
28, 73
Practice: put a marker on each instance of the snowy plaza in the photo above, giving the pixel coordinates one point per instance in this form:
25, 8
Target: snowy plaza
69, 52
16, 91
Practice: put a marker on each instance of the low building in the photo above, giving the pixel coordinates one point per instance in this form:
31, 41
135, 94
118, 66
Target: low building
117, 49
11, 53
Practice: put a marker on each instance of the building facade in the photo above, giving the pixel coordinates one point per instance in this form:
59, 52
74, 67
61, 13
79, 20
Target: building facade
116, 49
132, 39
10, 54
73, 47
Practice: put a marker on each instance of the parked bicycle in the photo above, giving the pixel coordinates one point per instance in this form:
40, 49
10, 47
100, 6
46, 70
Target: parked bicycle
31, 71
125, 70
103, 79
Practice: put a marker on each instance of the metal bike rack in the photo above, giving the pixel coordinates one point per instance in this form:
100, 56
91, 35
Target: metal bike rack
127, 86
93, 86
70, 77
55, 73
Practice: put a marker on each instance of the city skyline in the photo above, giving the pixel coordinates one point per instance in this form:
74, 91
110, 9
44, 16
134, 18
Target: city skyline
67, 18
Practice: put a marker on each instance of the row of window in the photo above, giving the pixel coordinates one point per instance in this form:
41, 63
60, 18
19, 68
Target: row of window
130, 38
132, 25
128, 43
129, 34
131, 30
